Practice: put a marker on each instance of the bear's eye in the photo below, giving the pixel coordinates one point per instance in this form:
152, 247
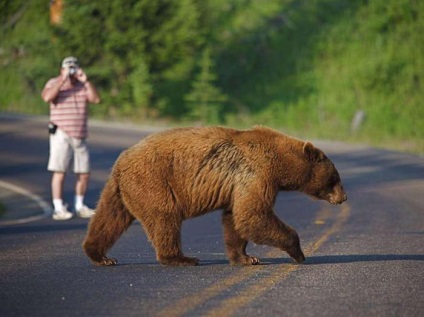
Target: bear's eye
333, 180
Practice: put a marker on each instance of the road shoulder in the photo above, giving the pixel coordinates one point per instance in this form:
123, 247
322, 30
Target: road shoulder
21, 206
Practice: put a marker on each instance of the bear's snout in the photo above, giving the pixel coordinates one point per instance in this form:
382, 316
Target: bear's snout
338, 196
338, 201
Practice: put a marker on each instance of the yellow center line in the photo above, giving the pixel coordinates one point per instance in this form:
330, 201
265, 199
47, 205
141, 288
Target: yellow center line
230, 305
340, 220
189, 303
323, 215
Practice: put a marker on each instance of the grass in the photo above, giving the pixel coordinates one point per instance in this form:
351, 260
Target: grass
304, 67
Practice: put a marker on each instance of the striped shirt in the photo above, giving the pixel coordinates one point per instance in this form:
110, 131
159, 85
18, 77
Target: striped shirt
69, 109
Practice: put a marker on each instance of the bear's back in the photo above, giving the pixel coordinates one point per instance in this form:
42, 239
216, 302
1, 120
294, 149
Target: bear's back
189, 150
200, 167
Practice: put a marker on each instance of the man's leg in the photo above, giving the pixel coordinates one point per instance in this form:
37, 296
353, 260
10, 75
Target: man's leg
60, 210
57, 185
60, 156
82, 171
80, 189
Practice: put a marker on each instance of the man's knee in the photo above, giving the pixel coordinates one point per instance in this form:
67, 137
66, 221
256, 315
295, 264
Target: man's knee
83, 177
58, 176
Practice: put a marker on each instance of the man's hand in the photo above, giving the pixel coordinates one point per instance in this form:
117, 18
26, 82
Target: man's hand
64, 75
81, 76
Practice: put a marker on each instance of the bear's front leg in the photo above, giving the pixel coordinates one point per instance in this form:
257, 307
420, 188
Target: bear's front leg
235, 245
167, 242
255, 220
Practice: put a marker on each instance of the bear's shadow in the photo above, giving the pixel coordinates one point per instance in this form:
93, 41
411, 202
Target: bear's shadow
313, 260
340, 259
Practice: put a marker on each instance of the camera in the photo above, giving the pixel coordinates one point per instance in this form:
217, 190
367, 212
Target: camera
72, 70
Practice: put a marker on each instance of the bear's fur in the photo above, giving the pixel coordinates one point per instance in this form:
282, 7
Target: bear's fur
183, 173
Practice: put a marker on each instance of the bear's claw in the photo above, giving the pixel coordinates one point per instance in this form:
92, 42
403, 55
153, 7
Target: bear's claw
107, 262
245, 260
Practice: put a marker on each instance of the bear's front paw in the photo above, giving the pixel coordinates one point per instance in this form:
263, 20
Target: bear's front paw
298, 257
106, 262
254, 260
296, 254
185, 260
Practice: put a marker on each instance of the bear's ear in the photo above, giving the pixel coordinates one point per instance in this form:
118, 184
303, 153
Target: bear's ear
312, 153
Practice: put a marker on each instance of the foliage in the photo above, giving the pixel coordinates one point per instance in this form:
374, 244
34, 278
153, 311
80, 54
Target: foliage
302, 66
309, 66
205, 100
136, 45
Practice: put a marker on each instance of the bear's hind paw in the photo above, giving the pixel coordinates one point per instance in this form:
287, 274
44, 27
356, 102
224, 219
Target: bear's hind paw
181, 260
245, 260
106, 262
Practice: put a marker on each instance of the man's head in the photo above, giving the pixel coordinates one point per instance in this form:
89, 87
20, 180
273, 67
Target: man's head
70, 64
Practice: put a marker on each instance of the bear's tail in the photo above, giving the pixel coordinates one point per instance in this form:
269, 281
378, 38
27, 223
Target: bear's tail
109, 222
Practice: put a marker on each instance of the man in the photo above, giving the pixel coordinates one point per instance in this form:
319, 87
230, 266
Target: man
68, 95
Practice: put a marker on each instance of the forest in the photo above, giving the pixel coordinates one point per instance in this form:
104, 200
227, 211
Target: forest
349, 70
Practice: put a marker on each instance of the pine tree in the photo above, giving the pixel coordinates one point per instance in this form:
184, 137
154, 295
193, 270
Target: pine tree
205, 100
133, 48
142, 89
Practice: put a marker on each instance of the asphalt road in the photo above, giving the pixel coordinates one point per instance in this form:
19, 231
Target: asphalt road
364, 258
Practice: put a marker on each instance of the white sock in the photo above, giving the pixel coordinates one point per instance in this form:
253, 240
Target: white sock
58, 204
79, 202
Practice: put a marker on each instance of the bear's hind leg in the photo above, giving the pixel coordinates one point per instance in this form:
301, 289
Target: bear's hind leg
102, 234
235, 245
108, 223
167, 242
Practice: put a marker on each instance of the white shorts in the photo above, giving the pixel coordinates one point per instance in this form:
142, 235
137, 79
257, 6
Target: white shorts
64, 149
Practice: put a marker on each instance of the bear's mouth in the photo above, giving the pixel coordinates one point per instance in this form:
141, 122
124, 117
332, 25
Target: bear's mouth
336, 201
329, 198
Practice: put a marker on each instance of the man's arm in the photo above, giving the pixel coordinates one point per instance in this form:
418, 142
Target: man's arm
50, 92
92, 95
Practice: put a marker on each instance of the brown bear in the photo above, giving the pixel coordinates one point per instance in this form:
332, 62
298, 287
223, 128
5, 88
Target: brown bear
183, 173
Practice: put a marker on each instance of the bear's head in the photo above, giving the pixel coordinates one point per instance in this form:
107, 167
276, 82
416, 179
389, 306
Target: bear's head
324, 182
